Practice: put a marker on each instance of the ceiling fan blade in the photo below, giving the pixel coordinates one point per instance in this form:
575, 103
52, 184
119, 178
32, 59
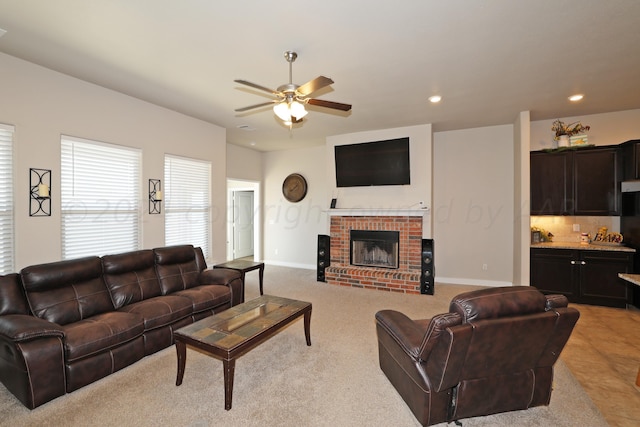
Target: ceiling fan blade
314, 85
329, 104
251, 107
257, 86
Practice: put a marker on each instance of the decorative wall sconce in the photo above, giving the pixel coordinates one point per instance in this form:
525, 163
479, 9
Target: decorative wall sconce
39, 192
155, 196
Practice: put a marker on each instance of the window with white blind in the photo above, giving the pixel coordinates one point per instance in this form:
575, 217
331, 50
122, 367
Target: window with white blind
100, 198
187, 188
6, 199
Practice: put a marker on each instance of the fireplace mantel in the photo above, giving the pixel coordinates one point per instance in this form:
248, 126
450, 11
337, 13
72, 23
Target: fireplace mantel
377, 212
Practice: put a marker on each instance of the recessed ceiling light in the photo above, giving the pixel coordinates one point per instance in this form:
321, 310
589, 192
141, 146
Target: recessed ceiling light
435, 99
252, 143
576, 97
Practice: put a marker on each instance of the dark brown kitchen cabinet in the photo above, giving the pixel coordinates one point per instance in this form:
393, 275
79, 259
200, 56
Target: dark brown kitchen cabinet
551, 182
631, 159
584, 181
584, 276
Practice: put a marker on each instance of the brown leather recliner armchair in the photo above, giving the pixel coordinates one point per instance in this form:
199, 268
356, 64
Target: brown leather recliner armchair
493, 352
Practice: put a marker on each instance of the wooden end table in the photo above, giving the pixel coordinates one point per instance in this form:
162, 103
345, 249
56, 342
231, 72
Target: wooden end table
233, 332
243, 267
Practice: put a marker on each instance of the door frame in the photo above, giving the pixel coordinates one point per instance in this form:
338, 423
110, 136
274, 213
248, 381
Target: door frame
244, 185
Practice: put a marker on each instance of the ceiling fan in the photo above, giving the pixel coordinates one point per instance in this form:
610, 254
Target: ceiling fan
290, 98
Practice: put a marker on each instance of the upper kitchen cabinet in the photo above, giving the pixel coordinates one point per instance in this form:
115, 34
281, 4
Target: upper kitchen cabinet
576, 182
631, 159
551, 182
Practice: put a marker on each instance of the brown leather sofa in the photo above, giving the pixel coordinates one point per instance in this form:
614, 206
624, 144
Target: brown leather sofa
66, 324
493, 352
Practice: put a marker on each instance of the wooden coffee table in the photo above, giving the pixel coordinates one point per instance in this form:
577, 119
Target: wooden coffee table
233, 332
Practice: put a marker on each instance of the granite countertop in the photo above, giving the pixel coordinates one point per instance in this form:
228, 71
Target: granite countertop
580, 246
632, 278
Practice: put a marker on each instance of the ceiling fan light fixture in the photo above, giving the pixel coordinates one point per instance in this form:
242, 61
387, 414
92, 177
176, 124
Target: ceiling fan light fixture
297, 110
291, 98
282, 111
288, 110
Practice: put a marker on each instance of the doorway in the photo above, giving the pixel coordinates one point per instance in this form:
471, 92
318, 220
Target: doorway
243, 220
242, 224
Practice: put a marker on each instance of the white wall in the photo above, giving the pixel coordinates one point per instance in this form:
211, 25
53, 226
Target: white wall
43, 104
473, 205
521, 199
388, 196
606, 129
291, 229
243, 164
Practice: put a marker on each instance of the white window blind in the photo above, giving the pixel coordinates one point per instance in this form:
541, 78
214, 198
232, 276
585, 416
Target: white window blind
100, 197
187, 184
6, 199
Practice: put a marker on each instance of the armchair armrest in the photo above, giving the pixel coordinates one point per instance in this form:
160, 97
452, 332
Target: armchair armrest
555, 301
225, 277
22, 327
404, 331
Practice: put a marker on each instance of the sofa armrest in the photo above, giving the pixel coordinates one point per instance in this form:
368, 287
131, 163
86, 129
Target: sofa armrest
32, 355
225, 277
22, 327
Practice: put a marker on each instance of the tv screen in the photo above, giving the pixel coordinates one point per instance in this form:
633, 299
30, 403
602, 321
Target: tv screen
373, 163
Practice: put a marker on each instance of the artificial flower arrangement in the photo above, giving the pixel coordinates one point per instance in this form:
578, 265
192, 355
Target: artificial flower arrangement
545, 235
571, 129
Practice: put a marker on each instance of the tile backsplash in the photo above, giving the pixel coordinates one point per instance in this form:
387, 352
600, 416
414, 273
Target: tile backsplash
562, 226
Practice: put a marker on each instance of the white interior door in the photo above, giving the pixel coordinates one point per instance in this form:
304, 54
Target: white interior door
242, 224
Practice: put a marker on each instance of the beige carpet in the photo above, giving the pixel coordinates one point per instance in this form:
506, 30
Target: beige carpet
335, 382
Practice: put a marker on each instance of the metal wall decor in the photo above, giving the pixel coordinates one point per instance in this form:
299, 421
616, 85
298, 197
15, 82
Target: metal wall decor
39, 192
155, 196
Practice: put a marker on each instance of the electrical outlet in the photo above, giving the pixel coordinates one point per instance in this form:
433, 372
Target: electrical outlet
276, 252
485, 267
576, 227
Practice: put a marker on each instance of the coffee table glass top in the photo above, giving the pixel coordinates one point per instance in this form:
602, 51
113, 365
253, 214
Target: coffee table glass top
239, 324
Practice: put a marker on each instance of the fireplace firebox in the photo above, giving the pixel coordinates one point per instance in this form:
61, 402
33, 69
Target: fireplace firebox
374, 248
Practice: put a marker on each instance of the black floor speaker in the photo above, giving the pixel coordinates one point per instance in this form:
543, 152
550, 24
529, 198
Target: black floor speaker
324, 255
427, 275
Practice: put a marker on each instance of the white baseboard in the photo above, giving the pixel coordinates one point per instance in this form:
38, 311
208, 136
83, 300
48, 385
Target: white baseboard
474, 282
291, 264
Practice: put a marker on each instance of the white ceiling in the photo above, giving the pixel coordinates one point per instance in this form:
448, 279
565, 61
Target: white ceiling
489, 59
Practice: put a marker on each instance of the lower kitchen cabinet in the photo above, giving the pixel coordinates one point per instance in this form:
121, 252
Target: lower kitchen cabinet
584, 276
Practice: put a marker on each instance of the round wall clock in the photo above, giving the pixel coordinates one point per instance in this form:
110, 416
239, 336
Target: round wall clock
294, 187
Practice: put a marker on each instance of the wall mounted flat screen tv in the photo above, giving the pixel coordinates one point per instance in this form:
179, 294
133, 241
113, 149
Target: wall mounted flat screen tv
373, 163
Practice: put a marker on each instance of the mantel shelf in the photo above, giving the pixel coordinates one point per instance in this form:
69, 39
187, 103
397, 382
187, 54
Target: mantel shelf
377, 212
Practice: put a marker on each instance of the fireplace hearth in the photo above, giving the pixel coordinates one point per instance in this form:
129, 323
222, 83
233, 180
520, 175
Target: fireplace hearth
396, 268
374, 248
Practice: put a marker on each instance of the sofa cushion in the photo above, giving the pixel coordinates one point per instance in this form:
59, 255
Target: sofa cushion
177, 268
66, 291
99, 333
131, 277
160, 311
12, 300
206, 297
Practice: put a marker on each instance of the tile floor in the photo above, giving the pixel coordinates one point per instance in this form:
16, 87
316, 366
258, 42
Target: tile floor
603, 354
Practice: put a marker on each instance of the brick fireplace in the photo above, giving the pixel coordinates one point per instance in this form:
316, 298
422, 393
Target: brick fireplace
405, 278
